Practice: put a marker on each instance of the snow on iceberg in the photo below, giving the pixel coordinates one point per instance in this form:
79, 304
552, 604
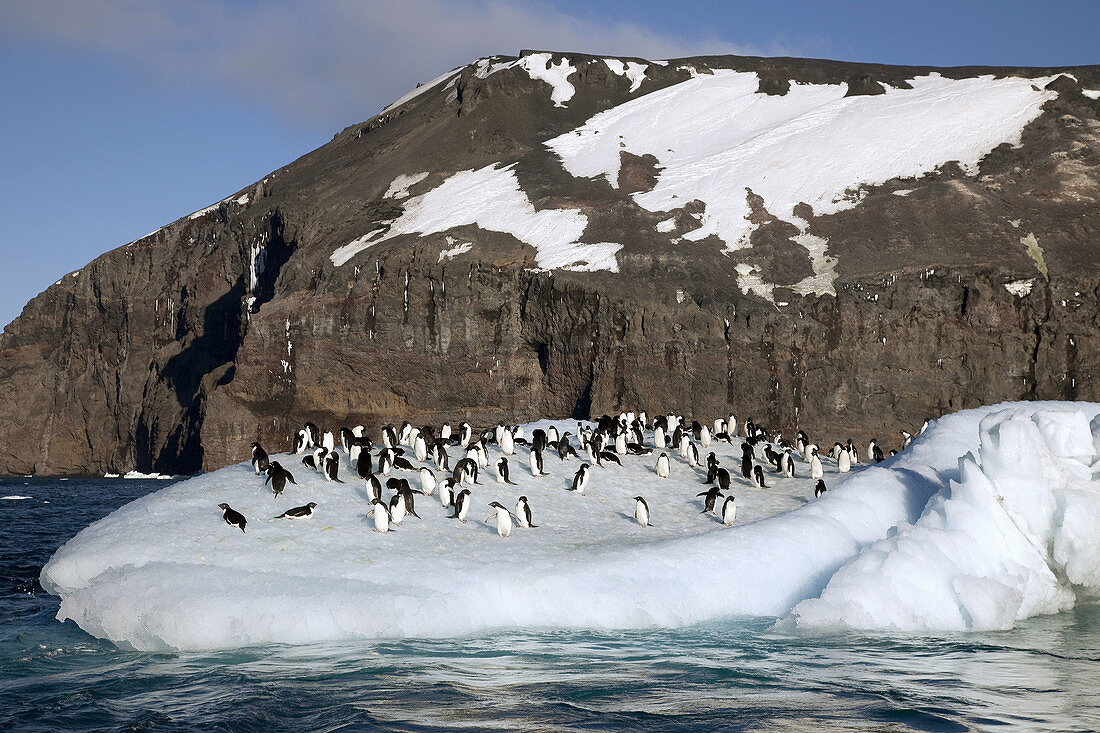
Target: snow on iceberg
987, 518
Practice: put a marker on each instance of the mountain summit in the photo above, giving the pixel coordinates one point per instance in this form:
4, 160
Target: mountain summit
848, 248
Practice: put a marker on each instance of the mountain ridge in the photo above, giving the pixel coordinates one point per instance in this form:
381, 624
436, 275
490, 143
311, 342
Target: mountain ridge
175, 351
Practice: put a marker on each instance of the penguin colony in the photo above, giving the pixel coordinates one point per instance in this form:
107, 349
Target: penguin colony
460, 456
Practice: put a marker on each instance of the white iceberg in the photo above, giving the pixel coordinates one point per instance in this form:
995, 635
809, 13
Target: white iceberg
986, 519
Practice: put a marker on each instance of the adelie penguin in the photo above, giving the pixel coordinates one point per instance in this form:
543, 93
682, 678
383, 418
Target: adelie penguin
536, 462
758, 477
523, 514
466, 469
723, 478
819, 488
232, 517
427, 481
504, 519
299, 512
406, 493
663, 466
501, 470
729, 511
462, 506
641, 511
332, 467
278, 476
447, 492
260, 461
711, 497
397, 508
381, 515
580, 479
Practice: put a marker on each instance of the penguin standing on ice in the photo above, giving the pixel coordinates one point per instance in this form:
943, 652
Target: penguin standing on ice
641, 511
462, 506
523, 514
507, 442
427, 481
232, 517
875, 452
278, 476
299, 512
565, 449
381, 515
374, 486
466, 469
260, 460
758, 477
746, 466
711, 497
406, 493
663, 466
397, 509
844, 461
447, 492
580, 479
332, 466
816, 470
536, 461
723, 478
729, 511
504, 519
819, 488
501, 470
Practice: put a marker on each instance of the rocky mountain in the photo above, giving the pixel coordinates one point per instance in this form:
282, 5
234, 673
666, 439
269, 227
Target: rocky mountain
844, 248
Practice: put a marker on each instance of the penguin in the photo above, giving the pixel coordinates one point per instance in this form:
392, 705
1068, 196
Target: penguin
758, 477
501, 470
641, 511
260, 461
404, 436
313, 434
659, 438
719, 425
439, 455
580, 479
318, 461
447, 492
729, 511
565, 450
420, 448
844, 461
466, 434
332, 467
538, 440
711, 497
663, 466
685, 446
836, 451
693, 454
786, 464
712, 468
466, 469
381, 514
906, 439
427, 481
507, 443
723, 478
462, 506
819, 488
385, 461
301, 441
504, 519
328, 441
482, 454
552, 435
445, 431
620, 444
523, 514
816, 470
637, 449
232, 517
875, 452
609, 455
406, 493
364, 466
389, 436
310, 461
278, 476
397, 508
374, 486
746, 467
536, 462
403, 464
347, 439
704, 436
299, 512
498, 432
854, 454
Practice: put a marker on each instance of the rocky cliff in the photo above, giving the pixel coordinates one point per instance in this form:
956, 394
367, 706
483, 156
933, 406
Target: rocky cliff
844, 248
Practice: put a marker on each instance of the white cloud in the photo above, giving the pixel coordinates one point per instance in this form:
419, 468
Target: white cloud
318, 61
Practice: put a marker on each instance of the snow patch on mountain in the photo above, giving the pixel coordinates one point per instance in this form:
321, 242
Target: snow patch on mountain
538, 66
714, 137
492, 199
632, 70
399, 189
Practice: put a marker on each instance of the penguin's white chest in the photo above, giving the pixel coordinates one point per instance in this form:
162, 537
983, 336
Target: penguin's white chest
641, 513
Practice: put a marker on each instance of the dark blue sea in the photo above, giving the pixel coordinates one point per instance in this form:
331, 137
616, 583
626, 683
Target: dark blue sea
735, 675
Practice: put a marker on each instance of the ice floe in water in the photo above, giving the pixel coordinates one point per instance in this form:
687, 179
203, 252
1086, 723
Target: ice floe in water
986, 519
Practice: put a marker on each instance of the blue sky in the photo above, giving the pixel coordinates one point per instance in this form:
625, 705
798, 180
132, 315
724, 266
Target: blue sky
120, 116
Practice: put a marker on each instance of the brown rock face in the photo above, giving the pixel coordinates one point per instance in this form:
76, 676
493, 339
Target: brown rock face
173, 353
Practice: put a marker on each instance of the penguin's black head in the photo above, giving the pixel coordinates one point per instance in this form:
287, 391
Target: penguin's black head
312, 505
523, 499
496, 505
223, 506
638, 498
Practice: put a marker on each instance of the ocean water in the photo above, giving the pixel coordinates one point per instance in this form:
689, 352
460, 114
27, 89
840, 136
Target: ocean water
733, 674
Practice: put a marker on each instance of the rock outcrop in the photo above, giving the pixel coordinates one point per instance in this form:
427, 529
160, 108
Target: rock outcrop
314, 295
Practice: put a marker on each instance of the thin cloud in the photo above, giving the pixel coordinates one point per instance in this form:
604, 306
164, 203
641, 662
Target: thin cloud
318, 61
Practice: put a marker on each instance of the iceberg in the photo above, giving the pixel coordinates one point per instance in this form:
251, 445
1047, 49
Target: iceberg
986, 519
